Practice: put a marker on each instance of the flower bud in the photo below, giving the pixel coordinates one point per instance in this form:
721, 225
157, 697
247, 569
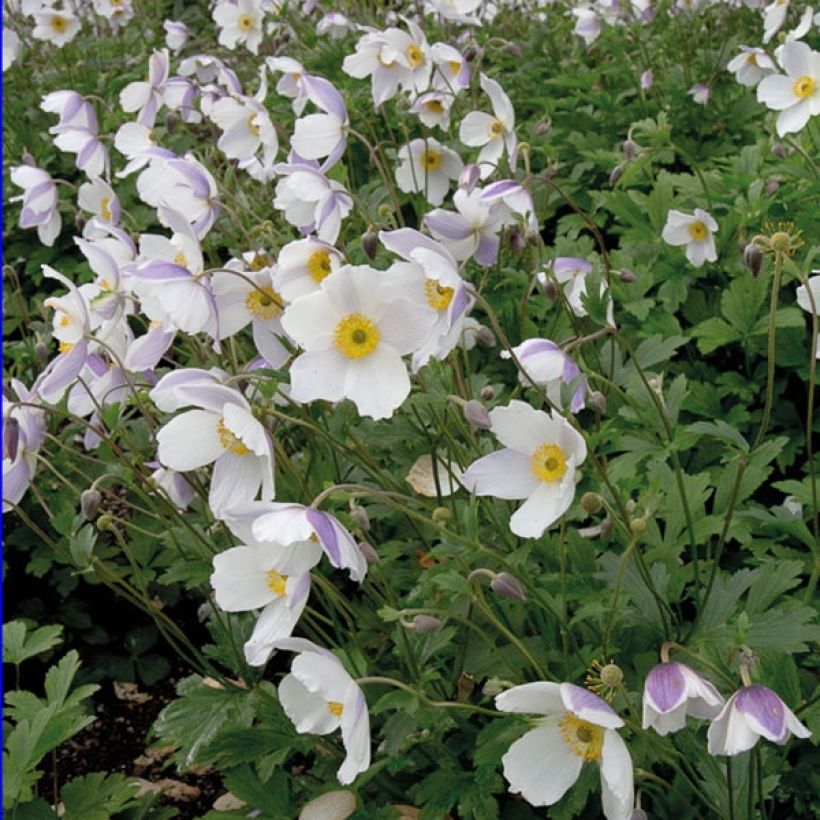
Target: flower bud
638, 814
517, 239
508, 586
385, 211
487, 393
106, 523
543, 127
90, 503
469, 177
627, 276
470, 53
597, 402
607, 525
753, 258
493, 687
617, 173
637, 526
591, 502
425, 624
476, 413
630, 148
370, 555
485, 337
630, 506
360, 516
514, 50
647, 79
441, 515
171, 122
778, 150
41, 352
772, 187
11, 438
370, 244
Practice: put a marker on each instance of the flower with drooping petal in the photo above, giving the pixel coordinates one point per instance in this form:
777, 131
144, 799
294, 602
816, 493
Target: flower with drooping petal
319, 696
572, 272
696, 231
774, 15
795, 94
587, 24
40, 200
145, 97
672, 691
24, 430
578, 727
493, 133
699, 93
426, 166
549, 367
751, 66
239, 22
354, 332
537, 465
751, 713
322, 135
176, 35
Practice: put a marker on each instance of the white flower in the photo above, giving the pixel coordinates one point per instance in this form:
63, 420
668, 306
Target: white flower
578, 728
494, 133
302, 266
813, 291
58, 27
796, 95
239, 23
354, 333
40, 201
699, 92
433, 108
695, 231
145, 96
587, 24
319, 696
426, 166
11, 47
751, 713
334, 24
671, 692
457, 10
751, 66
176, 35
245, 127
538, 462
774, 15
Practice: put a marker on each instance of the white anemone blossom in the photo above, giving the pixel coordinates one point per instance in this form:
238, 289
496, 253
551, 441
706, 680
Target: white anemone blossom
354, 333
541, 452
427, 167
695, 231
492, 132
239, 22
751, 66
808, 297
578, 727
795, 94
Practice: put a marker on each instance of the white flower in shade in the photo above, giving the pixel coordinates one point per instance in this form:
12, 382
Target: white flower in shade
433, 108
40, 201
222, 431
699, 92
541, 452
808, 295
494, 133
796, 95
11, 47
319, 696
302, 266
751, 713
578, 727
57, 27
774, 15
751, 66
335, 25
671, 692
176, 35
572, 272
239, 22
587, 24
803, 27
426, 166
98, 199
354, 333
696, 231
548, 366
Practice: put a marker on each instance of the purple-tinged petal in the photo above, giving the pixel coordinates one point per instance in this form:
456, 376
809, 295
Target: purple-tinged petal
486, 253
326, 534
588, 706
765, 708
448, 224
665, 686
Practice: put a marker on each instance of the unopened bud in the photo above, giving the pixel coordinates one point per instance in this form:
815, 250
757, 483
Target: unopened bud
753, 258
543, 127
106, 523
508, 586
617, 173
470, 53
637, 526
607, 525
514, 50
779, 150
476, 413
426, 623
171, 122
493, 687
772, 187
385, 211
370, 555
517, 239
487, 393
630, 506
465, 686
647, 79
627, 276
90, 503
484, 337
550, 288
360, 516
597, 402
638, 814
11, 438
469, 177
630, 148
41, 352
441, 515
591, 502
370, 245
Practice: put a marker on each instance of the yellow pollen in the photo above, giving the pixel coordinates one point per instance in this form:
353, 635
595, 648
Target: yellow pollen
253, 127
59, 24
245, 22
436, 106
431, 160
276, 582
496, 129
264, 303
548, 463
697, 230
64, 320
318, 265
64, 347
414, 55
455, 66
438, 297
335, 708
104, 284
803, 87
180, 260
229, 441
260, 261
585, 740
105, 208
751, 58
151, 137
356, 336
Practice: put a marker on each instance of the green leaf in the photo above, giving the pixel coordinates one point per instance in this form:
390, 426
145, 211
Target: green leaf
97, 796
272, 797
773, 579
19, 645
714, 333
722, 431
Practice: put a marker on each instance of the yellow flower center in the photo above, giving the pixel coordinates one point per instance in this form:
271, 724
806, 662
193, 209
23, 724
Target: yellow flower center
438, 296
455, 66
260, 261
585, 740
803, 87
356, 336
697, 230
64, 320
104, 284
318, 265
436, 106
414, 55
276, 582
64, 347
253, 127
245, 22
431, 160
548, 463
496, 129
180, 260
229, 441
751, 58
335, 708
105, 208
59, 24
264, 303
